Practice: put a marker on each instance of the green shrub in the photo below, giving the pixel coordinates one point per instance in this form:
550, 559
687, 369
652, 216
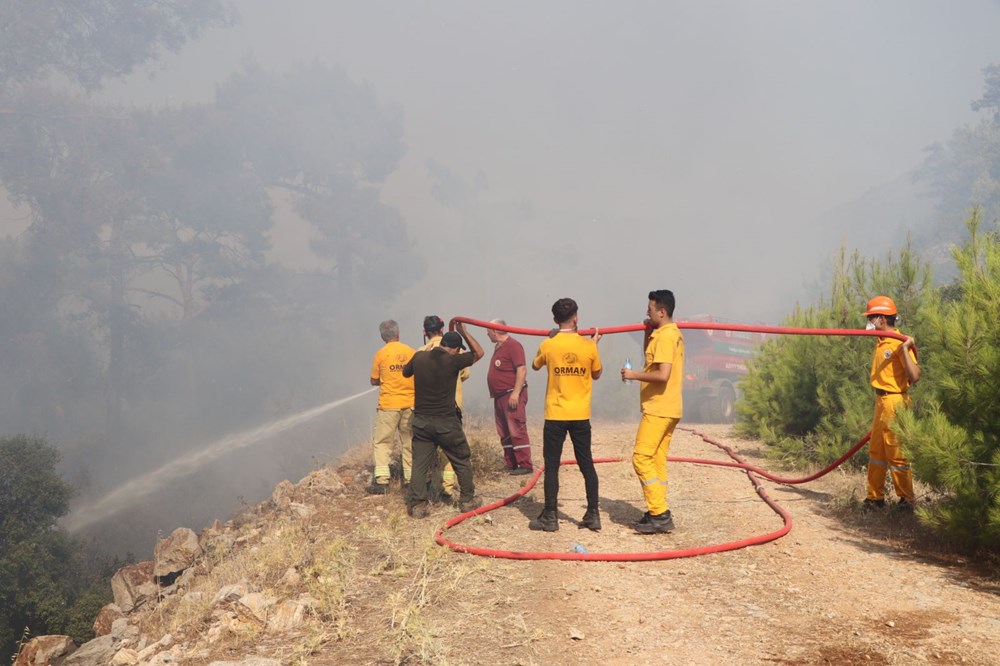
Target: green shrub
808, 397
45, 583
954, 443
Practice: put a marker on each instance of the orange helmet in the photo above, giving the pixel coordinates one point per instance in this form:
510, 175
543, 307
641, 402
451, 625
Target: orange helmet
880, 305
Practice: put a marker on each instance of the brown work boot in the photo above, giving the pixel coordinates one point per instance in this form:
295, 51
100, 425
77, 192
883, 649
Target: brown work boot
419, 510
470, 504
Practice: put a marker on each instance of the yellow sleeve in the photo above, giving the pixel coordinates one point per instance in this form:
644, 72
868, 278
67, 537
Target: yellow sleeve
663, 347
539, 358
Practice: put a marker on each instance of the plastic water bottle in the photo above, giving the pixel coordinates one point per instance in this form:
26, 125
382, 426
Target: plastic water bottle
627, 366
578, 548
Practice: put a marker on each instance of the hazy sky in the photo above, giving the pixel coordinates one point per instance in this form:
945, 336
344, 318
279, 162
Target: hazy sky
683, 145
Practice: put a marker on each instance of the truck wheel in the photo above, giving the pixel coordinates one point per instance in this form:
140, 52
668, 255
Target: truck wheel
721, 408
727, 405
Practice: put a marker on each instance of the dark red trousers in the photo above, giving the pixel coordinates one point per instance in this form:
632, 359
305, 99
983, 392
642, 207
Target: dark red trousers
512, 428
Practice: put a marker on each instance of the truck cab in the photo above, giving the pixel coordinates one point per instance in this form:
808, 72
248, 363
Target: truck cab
714, 363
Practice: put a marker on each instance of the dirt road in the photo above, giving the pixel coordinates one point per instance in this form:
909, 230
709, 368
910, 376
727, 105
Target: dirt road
841, 588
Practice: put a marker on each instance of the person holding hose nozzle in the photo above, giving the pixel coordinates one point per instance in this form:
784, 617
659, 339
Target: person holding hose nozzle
573, 363
395, 406
660, 400
894, 370
435, 422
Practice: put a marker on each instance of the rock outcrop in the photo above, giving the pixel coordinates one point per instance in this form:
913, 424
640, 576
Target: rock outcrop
180, 578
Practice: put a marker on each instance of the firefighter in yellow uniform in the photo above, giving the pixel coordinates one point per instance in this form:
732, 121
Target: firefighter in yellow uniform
894, 370
395, 406
434, 331
660, 399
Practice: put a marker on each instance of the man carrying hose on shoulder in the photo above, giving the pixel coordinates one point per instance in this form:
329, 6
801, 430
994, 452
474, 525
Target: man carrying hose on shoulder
894, 370
443, 483
660, 399
573, 364
435, 421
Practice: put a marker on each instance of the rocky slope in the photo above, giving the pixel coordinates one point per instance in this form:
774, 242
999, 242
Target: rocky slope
324, 574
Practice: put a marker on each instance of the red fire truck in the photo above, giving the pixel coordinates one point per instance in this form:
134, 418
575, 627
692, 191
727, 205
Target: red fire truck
714, 363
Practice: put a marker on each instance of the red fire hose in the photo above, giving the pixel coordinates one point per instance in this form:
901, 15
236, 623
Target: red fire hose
751, 470
694, 325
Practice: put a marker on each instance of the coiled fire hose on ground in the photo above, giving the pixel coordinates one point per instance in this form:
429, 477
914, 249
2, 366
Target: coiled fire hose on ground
752, 471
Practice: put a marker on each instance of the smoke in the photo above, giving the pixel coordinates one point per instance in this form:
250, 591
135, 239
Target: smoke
584, 149
142, 486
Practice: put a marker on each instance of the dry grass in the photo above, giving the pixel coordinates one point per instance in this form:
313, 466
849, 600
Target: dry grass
270, 550
487, 455
329, 578
383, 546
268, 553
414, 636
385, 593
359, 456
378, 577
368, 571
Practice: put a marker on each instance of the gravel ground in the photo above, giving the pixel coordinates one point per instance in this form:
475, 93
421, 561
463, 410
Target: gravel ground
840, 588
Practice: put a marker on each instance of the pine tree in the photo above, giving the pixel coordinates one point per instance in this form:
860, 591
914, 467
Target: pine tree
955, 444
808, 397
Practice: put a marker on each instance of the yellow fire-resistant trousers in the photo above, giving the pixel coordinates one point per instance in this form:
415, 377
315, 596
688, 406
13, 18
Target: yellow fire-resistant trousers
387, 423
883, 451
449, 480
649, 459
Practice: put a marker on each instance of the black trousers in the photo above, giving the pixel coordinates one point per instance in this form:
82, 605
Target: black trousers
429, 434
435, 486
553, 437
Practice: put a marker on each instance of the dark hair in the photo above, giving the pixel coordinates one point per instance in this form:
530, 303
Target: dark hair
890, 319
433, 324
663, 298
564, 309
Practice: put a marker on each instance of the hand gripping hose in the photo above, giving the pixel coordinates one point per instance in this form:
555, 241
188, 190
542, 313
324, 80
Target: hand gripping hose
752, 471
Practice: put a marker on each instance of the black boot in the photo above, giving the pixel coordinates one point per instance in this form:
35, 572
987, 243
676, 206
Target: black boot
547, 521
661, 523
591, 520
872, 505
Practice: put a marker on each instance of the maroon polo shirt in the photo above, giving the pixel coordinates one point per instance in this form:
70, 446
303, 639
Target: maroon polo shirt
503, 367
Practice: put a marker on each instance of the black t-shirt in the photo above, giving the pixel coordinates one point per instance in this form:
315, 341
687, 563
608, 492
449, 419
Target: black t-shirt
434, 373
